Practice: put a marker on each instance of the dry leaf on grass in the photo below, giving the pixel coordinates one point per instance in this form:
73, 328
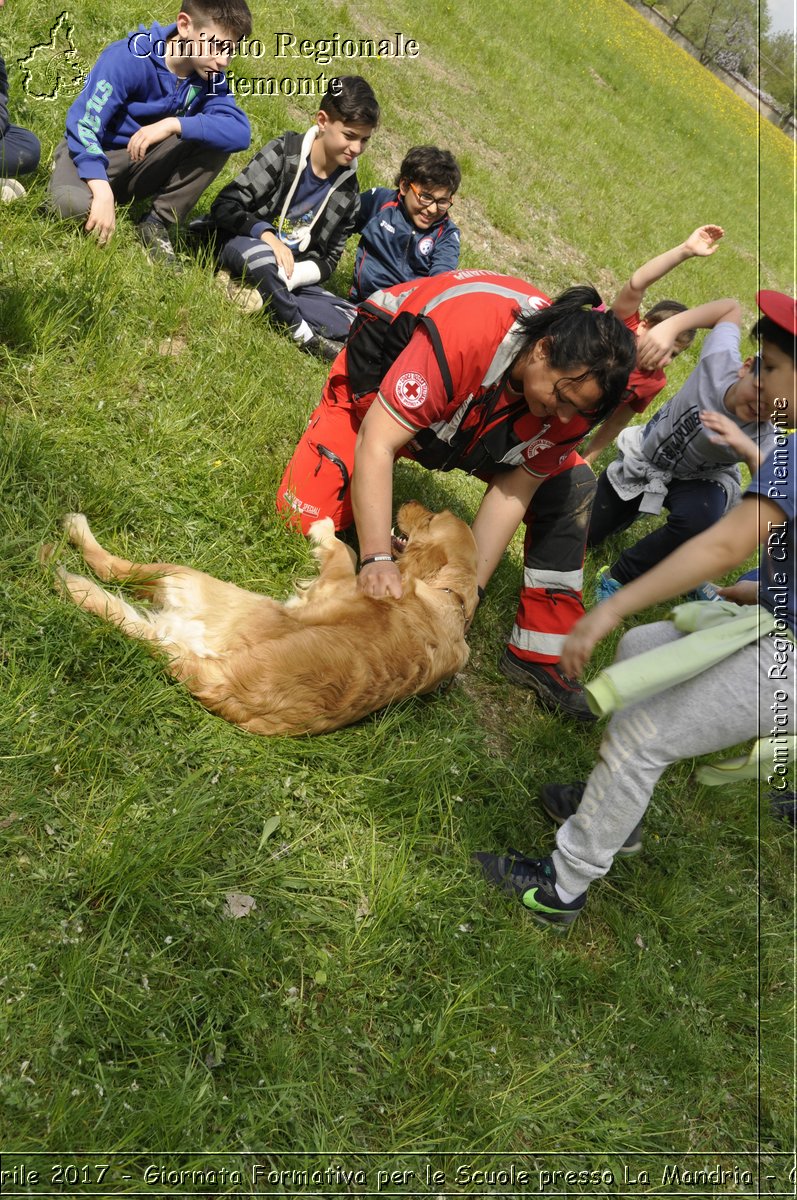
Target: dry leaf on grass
238, 904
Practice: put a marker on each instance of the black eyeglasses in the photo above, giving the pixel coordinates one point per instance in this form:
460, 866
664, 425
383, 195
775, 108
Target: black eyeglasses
426, 200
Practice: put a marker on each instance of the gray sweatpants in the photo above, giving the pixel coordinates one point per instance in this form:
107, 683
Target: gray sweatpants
174, 173
740, 698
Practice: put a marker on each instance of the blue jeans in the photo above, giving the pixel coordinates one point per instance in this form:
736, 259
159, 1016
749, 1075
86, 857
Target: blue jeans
19, 152
693, 504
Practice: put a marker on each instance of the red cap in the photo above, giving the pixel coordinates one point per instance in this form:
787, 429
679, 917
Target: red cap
780, 308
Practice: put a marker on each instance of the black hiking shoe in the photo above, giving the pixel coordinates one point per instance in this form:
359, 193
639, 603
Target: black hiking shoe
533, 881
555, 690
560, 801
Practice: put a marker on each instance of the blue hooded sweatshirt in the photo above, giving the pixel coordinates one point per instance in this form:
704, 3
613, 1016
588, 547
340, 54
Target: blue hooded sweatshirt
130, 86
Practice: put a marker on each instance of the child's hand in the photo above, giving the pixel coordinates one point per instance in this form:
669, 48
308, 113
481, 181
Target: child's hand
743, 592
725, 432
655, 347
282, 253
150, 135
704, 241
102, 214
585, 635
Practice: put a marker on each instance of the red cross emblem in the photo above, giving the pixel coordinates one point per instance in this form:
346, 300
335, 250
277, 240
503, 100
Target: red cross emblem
411, 389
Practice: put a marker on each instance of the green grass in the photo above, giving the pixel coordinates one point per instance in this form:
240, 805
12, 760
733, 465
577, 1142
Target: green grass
378, 998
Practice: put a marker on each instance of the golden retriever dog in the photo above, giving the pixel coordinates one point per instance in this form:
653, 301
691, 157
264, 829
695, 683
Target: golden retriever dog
327, 656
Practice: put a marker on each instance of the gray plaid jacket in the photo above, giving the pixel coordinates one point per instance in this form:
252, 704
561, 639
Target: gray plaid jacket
258, 194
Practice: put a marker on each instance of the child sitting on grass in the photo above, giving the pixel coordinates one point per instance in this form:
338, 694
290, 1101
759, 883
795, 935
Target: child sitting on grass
287, 216
726, 704
155, 120
406, 232
645, 385
19, 148
686, 457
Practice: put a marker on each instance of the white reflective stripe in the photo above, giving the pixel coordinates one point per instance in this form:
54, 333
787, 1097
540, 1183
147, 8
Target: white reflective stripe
445, 430
508, 349
537, 643
513, 341
470, 288
257, 256
516, 455
571, 580
388, 301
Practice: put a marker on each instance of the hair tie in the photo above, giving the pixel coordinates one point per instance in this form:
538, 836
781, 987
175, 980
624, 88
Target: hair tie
593, 307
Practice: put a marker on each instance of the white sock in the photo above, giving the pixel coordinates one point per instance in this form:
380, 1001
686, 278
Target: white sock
302, 333
567, 897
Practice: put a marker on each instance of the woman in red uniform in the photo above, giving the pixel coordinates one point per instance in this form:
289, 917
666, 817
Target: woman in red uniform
480, 372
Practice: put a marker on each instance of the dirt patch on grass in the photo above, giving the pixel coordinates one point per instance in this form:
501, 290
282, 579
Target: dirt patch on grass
489, 697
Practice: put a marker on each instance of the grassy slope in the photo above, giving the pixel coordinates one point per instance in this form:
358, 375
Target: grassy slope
377, 998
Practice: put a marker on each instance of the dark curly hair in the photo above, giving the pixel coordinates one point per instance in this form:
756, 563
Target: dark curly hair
580, 335
430, 167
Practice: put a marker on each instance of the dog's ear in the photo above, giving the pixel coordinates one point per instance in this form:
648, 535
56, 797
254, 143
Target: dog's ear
411, 516
428, 560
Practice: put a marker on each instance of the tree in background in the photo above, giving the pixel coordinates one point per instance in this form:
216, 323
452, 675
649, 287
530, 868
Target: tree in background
735, 34
724, 31
777, 68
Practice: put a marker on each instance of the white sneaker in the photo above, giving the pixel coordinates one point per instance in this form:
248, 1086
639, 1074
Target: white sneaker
11, 189
247, 298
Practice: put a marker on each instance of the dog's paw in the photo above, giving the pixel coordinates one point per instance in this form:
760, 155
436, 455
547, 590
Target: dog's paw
76, 528
322, 533
61, 580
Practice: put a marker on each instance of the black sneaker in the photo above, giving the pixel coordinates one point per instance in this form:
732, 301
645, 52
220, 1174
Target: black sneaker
533, 881
560, 801
555, 689
154, 237
200, 234
321, 347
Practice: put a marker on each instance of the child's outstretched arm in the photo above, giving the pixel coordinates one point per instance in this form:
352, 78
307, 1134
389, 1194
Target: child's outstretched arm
700, 244
607, 432
709, 555
655, 347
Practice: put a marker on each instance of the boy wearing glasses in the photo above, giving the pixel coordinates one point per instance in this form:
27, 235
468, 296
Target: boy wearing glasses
406, 232
686, 458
